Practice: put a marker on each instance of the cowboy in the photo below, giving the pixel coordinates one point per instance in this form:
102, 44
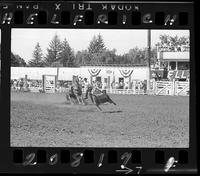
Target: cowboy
88, 87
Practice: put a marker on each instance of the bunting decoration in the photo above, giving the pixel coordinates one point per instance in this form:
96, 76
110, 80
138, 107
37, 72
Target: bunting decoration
94, 71
126, 72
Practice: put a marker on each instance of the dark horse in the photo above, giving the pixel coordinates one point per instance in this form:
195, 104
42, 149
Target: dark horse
92, 90
75, 92
78, 91
70, 95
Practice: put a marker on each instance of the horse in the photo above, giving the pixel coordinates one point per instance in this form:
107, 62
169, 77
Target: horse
70, 95
75, 92
77, 89
102, 98
93, 90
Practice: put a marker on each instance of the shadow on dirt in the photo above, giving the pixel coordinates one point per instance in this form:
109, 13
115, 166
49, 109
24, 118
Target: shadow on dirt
112, 111
86, 110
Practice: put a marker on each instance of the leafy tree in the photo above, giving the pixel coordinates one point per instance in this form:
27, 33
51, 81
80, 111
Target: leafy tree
96, 45
82, 58
136, 56
184, 40
67, 55
17, 61
96, 48
153, 56
108, 56
166, 40
37, 57
54, 51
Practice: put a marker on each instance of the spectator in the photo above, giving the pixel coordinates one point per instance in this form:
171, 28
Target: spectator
145, 86
99, 84
121, 84
165, 73
154, 76
116, 85
126, 85
21, 84
159, 77
136, 85
178, 48
15, 84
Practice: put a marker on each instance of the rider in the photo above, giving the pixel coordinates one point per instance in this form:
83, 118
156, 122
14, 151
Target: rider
88, 87
97, 86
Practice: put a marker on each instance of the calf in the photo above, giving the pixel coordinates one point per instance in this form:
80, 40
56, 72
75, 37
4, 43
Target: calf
102, 98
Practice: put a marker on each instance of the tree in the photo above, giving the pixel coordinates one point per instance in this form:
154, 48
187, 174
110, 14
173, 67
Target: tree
136, 56
82, 57
153, 56
67, 55
37, 57
166, 40
108, 56
17, 61
96, 48
54, 51
184, 40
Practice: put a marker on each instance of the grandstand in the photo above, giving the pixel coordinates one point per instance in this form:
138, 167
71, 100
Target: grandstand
174, 58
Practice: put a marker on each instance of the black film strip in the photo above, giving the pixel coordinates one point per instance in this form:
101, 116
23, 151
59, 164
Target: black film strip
113, 159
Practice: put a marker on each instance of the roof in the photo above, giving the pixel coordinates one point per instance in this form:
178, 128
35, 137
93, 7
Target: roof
114, 65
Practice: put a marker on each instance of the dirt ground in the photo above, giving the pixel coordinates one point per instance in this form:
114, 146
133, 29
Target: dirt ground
47, 120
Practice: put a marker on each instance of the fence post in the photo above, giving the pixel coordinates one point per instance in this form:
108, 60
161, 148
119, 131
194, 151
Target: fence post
173, 87
133, 87
154, 87
25, 79
43, 83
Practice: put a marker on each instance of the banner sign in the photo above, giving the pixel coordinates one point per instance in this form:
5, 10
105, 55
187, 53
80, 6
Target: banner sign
126, 72
94, 71
172, 74
49, 84
178, 74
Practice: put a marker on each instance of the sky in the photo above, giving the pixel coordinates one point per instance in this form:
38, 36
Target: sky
23, 41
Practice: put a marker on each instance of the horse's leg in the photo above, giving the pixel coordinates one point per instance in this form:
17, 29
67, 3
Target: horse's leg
112, 102
82, 100
69, 99
91, 98
81, 97
77, 97
99, 107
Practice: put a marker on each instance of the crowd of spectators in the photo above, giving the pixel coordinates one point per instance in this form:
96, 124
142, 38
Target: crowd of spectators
178, 48
25, 86
61, 86
125, 85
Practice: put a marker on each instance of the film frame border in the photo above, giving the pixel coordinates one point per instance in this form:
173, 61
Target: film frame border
158, 155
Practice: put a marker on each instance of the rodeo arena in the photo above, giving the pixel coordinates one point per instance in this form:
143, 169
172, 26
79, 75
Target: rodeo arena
58, 115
